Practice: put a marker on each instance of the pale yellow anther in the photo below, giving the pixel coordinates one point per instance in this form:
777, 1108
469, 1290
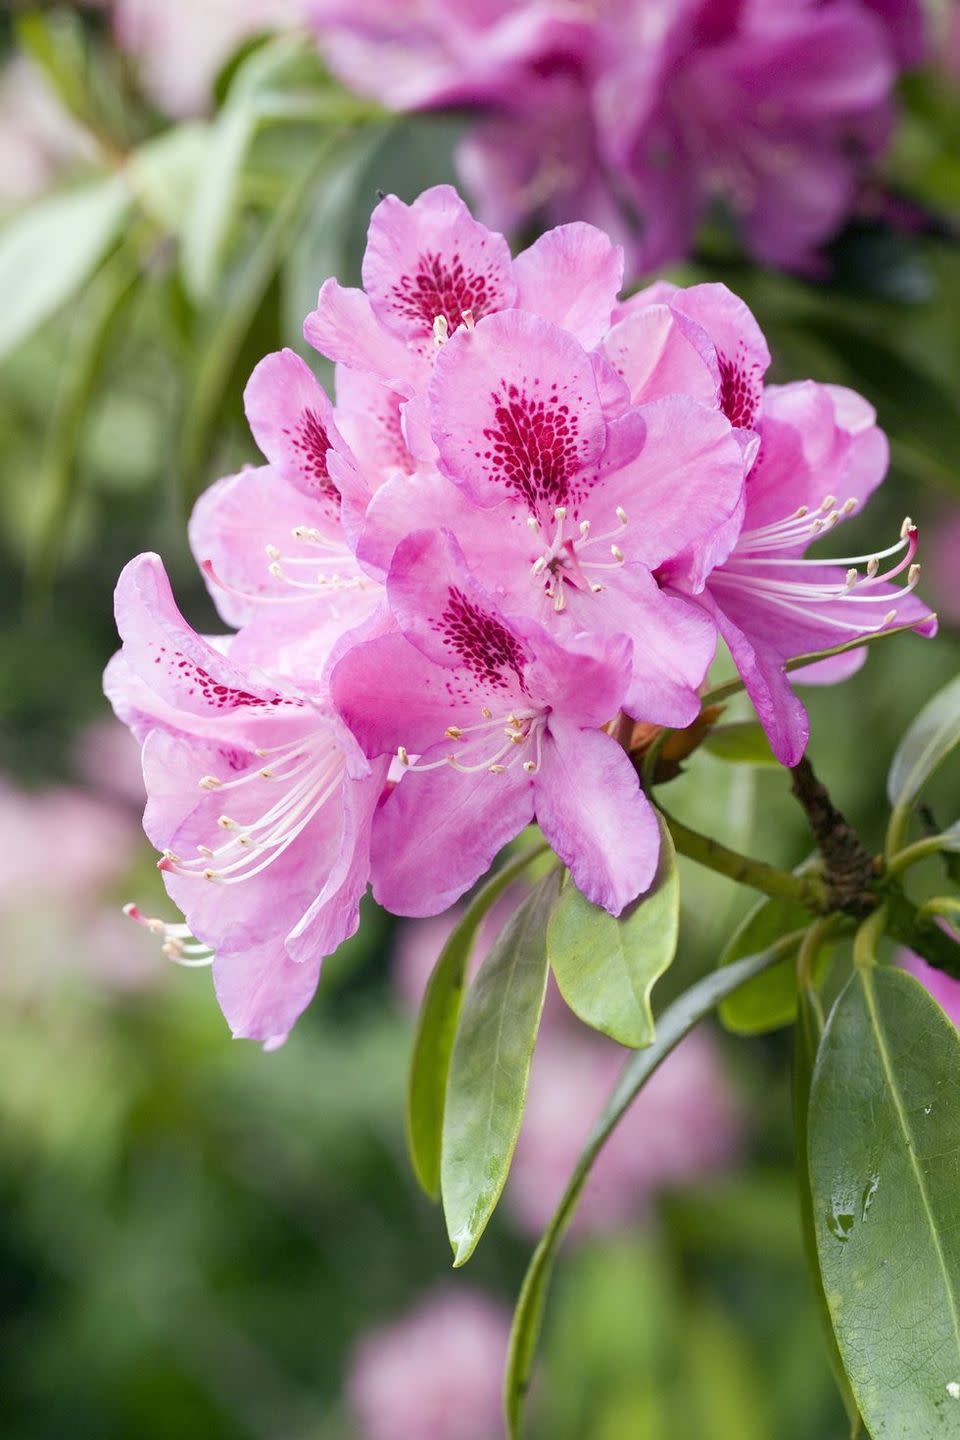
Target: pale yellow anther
913, 574
402, 755
849, 506
209, 874
266, 774
497, 769
205, 851
616, 552
801, 512
560, 513
853, 575
441, 331
906, 528
453, 732
486, 712
621, 515
596, 589
827, 503
889, 618
584, 529
530, 766
209, 782
276, 570
533, 522
873, 565
272, 552
226, 823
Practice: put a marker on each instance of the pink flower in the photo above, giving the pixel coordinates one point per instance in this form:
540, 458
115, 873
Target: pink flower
684, 1125
639, 115
38, 139
60, 842
254, 792
941, 577
434, 1374
506, 726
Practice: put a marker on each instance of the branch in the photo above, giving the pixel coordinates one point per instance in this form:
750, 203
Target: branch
850, 868
807, 890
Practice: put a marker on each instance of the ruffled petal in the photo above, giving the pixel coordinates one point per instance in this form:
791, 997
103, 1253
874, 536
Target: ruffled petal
571, 276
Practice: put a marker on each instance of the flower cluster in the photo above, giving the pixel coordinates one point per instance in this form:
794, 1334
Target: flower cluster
530, 513
639, 114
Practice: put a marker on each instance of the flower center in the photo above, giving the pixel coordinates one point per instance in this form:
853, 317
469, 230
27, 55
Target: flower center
569, 557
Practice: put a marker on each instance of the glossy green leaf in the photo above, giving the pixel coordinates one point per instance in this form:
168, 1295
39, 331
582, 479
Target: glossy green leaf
437, 1027
164, 173
807, 1035
925, 746
884, 1155
606, 968
48, 251
675, 1022
742, 743
490, 1068
770, 1001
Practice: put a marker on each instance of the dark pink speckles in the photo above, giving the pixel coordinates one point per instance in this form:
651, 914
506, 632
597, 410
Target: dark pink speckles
310, 441
533, 447
201, 682
486, 647
445, 287
741, 388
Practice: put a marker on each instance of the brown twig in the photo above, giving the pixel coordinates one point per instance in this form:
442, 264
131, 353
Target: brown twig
850, 869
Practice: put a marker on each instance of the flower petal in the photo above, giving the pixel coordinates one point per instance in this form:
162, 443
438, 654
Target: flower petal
571, 276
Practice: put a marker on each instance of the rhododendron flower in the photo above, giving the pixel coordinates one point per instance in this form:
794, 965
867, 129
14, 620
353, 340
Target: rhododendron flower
637, 116
506, 726
944, 988
253, 793
433, 1374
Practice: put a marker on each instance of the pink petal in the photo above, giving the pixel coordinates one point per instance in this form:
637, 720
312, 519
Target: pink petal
659, 351
516, 412
262, 992
571, 276
742, 351
344, 329
439, 831
433, 259
292, 422
591, 809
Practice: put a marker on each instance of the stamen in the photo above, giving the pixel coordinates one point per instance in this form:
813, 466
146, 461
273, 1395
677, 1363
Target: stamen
441, 330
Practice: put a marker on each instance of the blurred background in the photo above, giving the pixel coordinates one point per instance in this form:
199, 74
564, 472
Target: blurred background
200, 1239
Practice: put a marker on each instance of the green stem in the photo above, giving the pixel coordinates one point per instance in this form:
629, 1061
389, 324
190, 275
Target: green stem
897, 831
945, 905
865, 940
807, 890
919, 850
672, 1026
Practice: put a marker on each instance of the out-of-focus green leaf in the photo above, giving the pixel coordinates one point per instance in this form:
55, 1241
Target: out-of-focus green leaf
56, 43
925, 746
606, 968
437, 1028
490, 1068
743, 743
164, 173
770, 1001
675, 1022
884, 1155
48, 251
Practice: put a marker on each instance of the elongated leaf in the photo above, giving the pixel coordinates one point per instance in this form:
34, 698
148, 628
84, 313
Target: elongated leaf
490, 1068
884, 1154
770, 1001
606, 968
437, 1027
48, 251
742, 743
806, 1044
675, 1023
925, 746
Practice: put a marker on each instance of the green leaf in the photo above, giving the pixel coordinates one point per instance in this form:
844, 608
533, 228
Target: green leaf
164, 173
490, 1068
925, 746
807, 1035
437, 1027
675, 1022
884, 1155
770, 1001
48, 251
743, 743
606, 968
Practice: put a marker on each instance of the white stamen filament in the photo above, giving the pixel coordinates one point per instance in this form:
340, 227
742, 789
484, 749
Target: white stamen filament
310, 770
519, 728
178, 942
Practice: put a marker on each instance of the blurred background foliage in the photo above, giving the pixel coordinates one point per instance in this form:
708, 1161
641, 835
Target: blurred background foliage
194, 1235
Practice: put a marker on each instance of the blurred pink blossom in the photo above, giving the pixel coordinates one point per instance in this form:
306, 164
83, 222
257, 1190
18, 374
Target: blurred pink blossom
38, 139
942, 542
434, 1374
639, 114
685, 1124
108, 759
61, 844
